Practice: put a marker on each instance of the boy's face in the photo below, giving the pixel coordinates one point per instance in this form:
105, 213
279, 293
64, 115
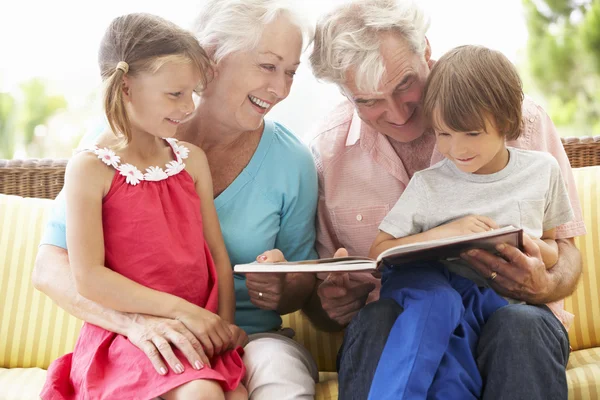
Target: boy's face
479, 152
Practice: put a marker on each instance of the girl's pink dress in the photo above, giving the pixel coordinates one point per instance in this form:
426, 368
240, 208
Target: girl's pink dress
153, 235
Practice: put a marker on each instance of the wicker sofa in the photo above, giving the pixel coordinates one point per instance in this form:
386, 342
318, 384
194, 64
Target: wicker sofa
34, 331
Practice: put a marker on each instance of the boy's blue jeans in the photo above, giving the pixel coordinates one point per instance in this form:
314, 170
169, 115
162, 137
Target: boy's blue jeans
430, 352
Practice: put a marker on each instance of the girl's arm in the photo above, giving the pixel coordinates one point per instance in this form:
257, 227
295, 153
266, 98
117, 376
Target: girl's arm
548, 248
86, 182
198, 164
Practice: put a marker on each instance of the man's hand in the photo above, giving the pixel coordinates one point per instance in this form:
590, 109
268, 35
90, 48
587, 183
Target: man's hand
155, 336
342, 297
519, 275
265, 290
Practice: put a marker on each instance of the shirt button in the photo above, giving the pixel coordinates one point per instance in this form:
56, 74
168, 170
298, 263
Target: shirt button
359, 217
531, 119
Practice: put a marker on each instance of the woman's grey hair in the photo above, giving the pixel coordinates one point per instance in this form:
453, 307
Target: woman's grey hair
227, 26
349, 37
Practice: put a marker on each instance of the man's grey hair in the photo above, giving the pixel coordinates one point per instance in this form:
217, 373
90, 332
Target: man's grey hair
228, 26
349, 37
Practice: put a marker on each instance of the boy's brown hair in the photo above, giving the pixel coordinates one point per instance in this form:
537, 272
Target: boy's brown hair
145, 42
470, 84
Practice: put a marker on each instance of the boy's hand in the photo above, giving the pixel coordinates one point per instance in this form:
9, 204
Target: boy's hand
465, 225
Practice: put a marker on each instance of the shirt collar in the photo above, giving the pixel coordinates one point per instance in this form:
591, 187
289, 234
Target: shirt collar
354, 131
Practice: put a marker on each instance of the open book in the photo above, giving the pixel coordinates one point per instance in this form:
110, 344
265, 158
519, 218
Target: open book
441, 249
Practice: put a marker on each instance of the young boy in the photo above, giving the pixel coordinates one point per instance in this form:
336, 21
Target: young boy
473, 99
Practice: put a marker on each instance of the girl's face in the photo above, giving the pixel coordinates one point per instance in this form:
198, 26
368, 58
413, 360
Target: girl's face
248, 84
478, 152
157, 103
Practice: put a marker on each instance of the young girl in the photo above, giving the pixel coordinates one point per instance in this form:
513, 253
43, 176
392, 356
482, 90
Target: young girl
473, 98
148, 242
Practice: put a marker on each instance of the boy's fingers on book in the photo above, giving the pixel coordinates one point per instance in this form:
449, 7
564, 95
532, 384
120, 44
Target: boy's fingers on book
488, 221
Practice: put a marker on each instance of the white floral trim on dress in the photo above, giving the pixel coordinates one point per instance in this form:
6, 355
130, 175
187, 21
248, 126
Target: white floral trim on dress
133, 176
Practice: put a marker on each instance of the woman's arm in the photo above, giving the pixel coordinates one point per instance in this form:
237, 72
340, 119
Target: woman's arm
85, 240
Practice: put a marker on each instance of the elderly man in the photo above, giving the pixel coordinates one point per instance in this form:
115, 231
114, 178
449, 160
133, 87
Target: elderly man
377, 53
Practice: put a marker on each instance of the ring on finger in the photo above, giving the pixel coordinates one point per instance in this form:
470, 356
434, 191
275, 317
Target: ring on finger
493, 275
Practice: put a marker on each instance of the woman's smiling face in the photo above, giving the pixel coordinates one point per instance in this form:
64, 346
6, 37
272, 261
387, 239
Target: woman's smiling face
248, 84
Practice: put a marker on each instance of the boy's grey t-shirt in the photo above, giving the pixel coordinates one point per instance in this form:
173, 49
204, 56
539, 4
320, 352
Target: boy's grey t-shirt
529, 193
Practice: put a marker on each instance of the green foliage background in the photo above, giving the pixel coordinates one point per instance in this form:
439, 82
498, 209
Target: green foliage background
564, 60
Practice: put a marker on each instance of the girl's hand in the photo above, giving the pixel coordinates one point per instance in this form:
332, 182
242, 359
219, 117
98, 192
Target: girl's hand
465, 226
211, 330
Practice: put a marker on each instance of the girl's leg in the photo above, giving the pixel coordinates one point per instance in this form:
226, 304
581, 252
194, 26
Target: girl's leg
202, 389
239, 393
420, 335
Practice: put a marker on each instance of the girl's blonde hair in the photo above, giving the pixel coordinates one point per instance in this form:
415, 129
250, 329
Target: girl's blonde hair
470, 84
142, 43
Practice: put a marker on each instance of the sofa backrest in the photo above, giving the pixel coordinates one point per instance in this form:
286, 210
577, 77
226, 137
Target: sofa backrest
585, 302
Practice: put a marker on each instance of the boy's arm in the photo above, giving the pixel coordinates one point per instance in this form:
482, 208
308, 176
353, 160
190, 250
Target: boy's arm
462, 226
548, 247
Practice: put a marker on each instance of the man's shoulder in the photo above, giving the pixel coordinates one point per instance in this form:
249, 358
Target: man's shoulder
329, 140
531, 111
535, 159
335, 126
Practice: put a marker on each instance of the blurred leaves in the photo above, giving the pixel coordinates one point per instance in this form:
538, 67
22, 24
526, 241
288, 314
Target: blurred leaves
7, 125
22, 112
564, 59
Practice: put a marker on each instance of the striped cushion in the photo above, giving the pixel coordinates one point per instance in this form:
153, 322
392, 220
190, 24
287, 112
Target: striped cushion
583, 374
322, 345
33, 329
585, 303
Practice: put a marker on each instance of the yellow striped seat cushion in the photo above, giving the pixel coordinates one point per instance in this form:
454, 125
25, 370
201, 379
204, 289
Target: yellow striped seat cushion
585, 303
583, 374
33, 329
322, 345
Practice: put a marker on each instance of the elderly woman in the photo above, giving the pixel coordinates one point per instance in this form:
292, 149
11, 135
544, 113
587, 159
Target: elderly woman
377, 52
265, 188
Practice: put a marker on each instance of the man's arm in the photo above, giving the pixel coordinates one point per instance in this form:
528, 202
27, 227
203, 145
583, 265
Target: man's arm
566, 273
52, 276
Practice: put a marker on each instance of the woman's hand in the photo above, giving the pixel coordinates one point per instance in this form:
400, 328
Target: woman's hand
266, 289
464, 226
239, 336
211, 330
